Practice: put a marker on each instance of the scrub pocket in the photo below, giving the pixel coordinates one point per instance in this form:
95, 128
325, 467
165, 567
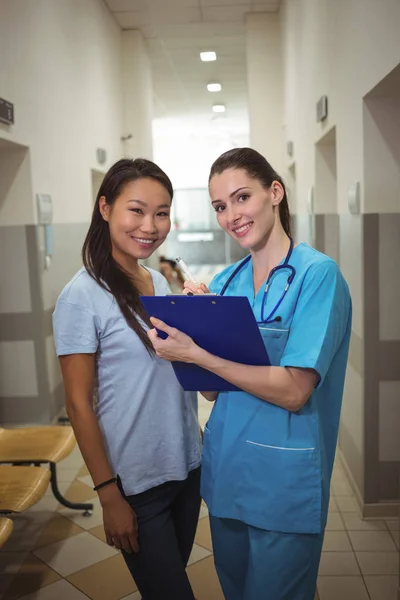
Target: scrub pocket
207, 466
281, 487
274, 339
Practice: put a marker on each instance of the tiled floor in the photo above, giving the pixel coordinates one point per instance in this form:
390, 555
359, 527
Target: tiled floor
58, 554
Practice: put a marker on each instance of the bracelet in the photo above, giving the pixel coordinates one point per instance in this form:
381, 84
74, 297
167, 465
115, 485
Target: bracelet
101, 485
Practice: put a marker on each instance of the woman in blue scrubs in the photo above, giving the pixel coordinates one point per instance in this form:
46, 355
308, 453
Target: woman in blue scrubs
269, 449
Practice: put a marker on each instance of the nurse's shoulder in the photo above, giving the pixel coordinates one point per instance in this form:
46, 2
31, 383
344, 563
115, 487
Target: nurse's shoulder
219, 280
316, 269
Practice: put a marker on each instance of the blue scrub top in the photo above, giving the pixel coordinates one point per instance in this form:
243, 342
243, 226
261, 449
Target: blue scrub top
262, 464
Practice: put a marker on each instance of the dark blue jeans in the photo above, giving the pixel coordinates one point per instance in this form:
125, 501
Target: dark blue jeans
167, 518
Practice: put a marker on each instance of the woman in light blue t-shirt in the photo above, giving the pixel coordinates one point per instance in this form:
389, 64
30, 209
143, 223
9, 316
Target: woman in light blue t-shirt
141, 440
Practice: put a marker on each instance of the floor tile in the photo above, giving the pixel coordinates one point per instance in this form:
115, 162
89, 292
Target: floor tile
10, 564
347, 504
98, 532
198, 553
57, 529
396, 536
203, 534
338, 476
32, 576
75, 553
204, 580
67, 474
62, 486
333, 507
338, 563
393, 524
106, 580
203, 511
354, 522
61, 590
80, 492
341, 488
335, 522
378, 563
72, 460
342, 588
382, 588
83, 471
26, 531
336, 541
87, 480
135, 596
96, 518
46, 507
374, 541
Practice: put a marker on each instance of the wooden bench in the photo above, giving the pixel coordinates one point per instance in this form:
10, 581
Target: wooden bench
37, 446
21, 487
6, 526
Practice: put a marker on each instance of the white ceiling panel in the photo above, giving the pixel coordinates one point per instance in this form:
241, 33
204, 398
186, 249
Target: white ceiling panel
176, 32
127, 5
227, 3
221, 14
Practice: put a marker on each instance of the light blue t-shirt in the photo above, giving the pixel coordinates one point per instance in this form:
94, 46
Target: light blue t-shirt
150, 425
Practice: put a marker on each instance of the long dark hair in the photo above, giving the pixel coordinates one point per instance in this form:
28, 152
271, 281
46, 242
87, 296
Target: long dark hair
257, 167
96, 251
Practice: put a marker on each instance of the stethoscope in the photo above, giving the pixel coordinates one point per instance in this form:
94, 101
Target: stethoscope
285, 265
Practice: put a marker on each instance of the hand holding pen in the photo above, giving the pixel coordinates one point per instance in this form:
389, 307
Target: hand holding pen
191, 285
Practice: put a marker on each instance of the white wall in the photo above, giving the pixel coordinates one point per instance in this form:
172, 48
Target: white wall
333, 48
265, 86
60, 64
137, 90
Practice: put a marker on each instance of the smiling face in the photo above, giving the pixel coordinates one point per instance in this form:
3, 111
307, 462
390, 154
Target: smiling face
245, 209
138, 220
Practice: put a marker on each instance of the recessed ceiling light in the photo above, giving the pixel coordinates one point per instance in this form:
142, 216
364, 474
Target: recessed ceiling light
208, 56
218, 108
214, 87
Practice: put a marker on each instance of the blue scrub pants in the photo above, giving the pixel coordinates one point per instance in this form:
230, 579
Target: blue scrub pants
254, 564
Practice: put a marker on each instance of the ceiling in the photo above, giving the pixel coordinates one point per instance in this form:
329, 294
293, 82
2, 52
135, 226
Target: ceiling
176, 31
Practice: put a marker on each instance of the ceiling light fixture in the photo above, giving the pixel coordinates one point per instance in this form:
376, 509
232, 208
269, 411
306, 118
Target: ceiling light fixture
218, 108
208, 56
214, 87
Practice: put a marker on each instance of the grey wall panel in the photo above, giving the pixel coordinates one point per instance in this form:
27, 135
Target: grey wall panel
27, 410
18, 376
332, 237
389, 421
351, 434
389, 276
68, 239
351, 265
371, 362
15, 294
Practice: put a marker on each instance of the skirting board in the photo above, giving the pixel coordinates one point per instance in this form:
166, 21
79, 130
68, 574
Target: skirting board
383, 510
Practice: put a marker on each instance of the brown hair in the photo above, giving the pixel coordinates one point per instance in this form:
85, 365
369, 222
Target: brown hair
257, 167
96, 251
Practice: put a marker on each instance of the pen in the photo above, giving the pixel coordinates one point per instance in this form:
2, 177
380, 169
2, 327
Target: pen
182, 265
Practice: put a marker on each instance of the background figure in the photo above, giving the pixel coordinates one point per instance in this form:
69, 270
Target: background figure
172, 274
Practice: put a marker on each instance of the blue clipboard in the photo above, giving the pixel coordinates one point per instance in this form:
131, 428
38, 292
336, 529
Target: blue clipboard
222, 325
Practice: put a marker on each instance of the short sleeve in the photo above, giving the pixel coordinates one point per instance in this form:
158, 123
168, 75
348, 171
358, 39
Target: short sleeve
321, 320
74, 328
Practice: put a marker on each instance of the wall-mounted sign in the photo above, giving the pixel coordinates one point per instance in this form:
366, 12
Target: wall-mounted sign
6, 112
101, 156
322, 108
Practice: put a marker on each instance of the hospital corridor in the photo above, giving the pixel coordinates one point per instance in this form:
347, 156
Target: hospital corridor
199, 195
